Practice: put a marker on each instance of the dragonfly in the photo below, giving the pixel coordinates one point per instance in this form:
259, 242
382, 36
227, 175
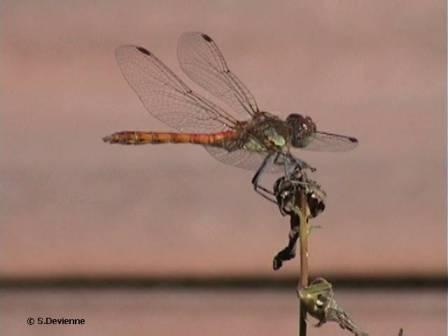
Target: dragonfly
247, 137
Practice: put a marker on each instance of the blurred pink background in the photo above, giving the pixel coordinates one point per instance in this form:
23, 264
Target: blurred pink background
72, 205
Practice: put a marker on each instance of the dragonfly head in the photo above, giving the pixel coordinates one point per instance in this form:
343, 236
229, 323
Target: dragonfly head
302, 128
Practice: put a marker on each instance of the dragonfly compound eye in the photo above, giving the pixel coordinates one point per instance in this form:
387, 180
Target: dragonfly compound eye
301, 129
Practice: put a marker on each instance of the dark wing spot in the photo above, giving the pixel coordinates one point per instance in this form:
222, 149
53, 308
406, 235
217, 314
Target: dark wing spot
354, 140
206, 37
144, 51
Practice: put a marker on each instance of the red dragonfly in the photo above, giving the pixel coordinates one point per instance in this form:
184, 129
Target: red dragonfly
246, 143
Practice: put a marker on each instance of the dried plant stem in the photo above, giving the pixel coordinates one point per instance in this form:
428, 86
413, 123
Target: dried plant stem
303, 216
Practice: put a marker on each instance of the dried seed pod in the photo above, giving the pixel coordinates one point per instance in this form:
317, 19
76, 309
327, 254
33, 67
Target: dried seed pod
319, 301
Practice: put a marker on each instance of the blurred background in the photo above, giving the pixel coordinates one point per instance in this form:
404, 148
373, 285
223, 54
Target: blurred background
93, 230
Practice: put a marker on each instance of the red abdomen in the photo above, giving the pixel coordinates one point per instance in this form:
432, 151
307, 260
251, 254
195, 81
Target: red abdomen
140, 138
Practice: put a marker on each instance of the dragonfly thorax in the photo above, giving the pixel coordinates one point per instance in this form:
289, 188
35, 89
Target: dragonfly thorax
302, 127
267, 132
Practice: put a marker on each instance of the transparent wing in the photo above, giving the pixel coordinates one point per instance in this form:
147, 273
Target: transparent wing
203, 62
167, 97
329, 142
243, 159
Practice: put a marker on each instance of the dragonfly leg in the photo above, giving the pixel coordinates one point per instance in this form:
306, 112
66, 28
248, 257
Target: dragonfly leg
289, 252
260, 170
265, 192
294, 166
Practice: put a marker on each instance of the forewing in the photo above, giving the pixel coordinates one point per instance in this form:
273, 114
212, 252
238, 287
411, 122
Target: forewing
329, 142
167, 97
243, 159
203, 62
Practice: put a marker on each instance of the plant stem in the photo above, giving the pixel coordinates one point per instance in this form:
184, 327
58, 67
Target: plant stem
303, 216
